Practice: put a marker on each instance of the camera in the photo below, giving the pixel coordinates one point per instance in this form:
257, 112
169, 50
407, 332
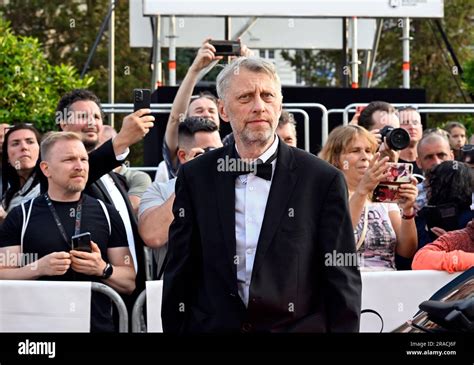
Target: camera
141, 99
396, 138
226, 48
467, 154
82, 242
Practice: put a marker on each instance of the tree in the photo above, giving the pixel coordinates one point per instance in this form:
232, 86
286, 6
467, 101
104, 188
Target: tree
29, 85
432, 67
68, 29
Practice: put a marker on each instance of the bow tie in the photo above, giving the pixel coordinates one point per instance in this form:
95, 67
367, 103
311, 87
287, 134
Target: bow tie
263, 170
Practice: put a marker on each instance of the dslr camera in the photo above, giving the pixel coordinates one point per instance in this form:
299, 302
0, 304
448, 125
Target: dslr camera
467, 154
397, 138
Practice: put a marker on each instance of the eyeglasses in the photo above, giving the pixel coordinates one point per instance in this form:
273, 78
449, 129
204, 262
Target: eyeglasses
411, 122
407, 107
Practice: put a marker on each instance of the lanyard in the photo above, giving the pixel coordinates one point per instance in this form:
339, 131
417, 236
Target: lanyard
77, 225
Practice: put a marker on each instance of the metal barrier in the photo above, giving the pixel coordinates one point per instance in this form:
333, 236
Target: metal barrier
423, 108
118, 301
290, 107
138, 322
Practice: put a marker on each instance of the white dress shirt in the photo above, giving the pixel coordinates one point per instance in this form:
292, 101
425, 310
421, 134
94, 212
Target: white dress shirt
251, 195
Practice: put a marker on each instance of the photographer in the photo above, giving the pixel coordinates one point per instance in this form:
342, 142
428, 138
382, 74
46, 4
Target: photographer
195, 136
380, 118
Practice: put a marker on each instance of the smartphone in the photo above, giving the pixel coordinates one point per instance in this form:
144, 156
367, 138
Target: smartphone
82, 242
386, 193
226, 48
388, 190
141, 99
399, 173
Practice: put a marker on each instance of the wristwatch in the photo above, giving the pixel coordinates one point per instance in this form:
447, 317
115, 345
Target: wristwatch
108, 270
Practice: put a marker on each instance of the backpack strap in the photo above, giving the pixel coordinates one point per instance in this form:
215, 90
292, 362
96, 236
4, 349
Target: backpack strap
26, 219
106, 212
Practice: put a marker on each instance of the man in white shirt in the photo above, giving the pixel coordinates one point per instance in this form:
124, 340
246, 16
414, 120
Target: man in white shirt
253, 223
195, 136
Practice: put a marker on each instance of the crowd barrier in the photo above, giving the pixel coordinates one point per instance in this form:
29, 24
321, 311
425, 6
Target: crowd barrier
52, 306
394, 295
423, 108
290, 107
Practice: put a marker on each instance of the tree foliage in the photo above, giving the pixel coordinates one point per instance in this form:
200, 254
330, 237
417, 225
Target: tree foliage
431, 66
30, 86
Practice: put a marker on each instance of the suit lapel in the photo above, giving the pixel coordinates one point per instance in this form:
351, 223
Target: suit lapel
283, 184
225, 188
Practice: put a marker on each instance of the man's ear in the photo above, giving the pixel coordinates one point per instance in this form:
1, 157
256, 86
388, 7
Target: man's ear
62, 125
418, 162
45, 168
222, 111
181, 155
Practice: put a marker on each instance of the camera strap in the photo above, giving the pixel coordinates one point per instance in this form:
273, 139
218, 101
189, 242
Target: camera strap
77, 225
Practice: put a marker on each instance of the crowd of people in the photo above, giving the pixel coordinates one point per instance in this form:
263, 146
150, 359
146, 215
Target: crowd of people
240, 227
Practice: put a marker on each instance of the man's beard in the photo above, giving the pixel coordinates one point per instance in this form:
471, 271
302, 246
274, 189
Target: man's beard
90, 145
259, 138
75, 188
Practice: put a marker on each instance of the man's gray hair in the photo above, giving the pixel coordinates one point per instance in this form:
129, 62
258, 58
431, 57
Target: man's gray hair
253, 64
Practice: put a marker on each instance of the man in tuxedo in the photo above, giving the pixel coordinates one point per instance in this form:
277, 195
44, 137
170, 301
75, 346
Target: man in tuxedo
80, 112
256, 225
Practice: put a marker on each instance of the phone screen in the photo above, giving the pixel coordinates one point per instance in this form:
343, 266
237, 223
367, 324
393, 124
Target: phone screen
387, 190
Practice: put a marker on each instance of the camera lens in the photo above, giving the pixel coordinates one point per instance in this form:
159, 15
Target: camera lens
138, 95
396, 138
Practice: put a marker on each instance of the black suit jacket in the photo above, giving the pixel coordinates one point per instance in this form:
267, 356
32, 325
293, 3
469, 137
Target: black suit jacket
293, 287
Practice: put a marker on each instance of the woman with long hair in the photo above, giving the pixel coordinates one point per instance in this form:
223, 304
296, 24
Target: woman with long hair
20, 156
381, 229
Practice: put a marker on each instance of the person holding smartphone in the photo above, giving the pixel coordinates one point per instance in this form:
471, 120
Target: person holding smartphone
186, 105
381, 230
63, 212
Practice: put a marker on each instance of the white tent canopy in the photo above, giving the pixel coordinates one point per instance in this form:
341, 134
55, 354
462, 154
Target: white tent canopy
297, 8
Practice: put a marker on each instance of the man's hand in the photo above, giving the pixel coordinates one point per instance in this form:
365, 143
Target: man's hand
135, 126
193, 152
245, 51
54, 264
204, 57
388, 152
3, 214
88, 263
438, 231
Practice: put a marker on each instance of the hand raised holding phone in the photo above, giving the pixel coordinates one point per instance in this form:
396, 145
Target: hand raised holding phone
376, 172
